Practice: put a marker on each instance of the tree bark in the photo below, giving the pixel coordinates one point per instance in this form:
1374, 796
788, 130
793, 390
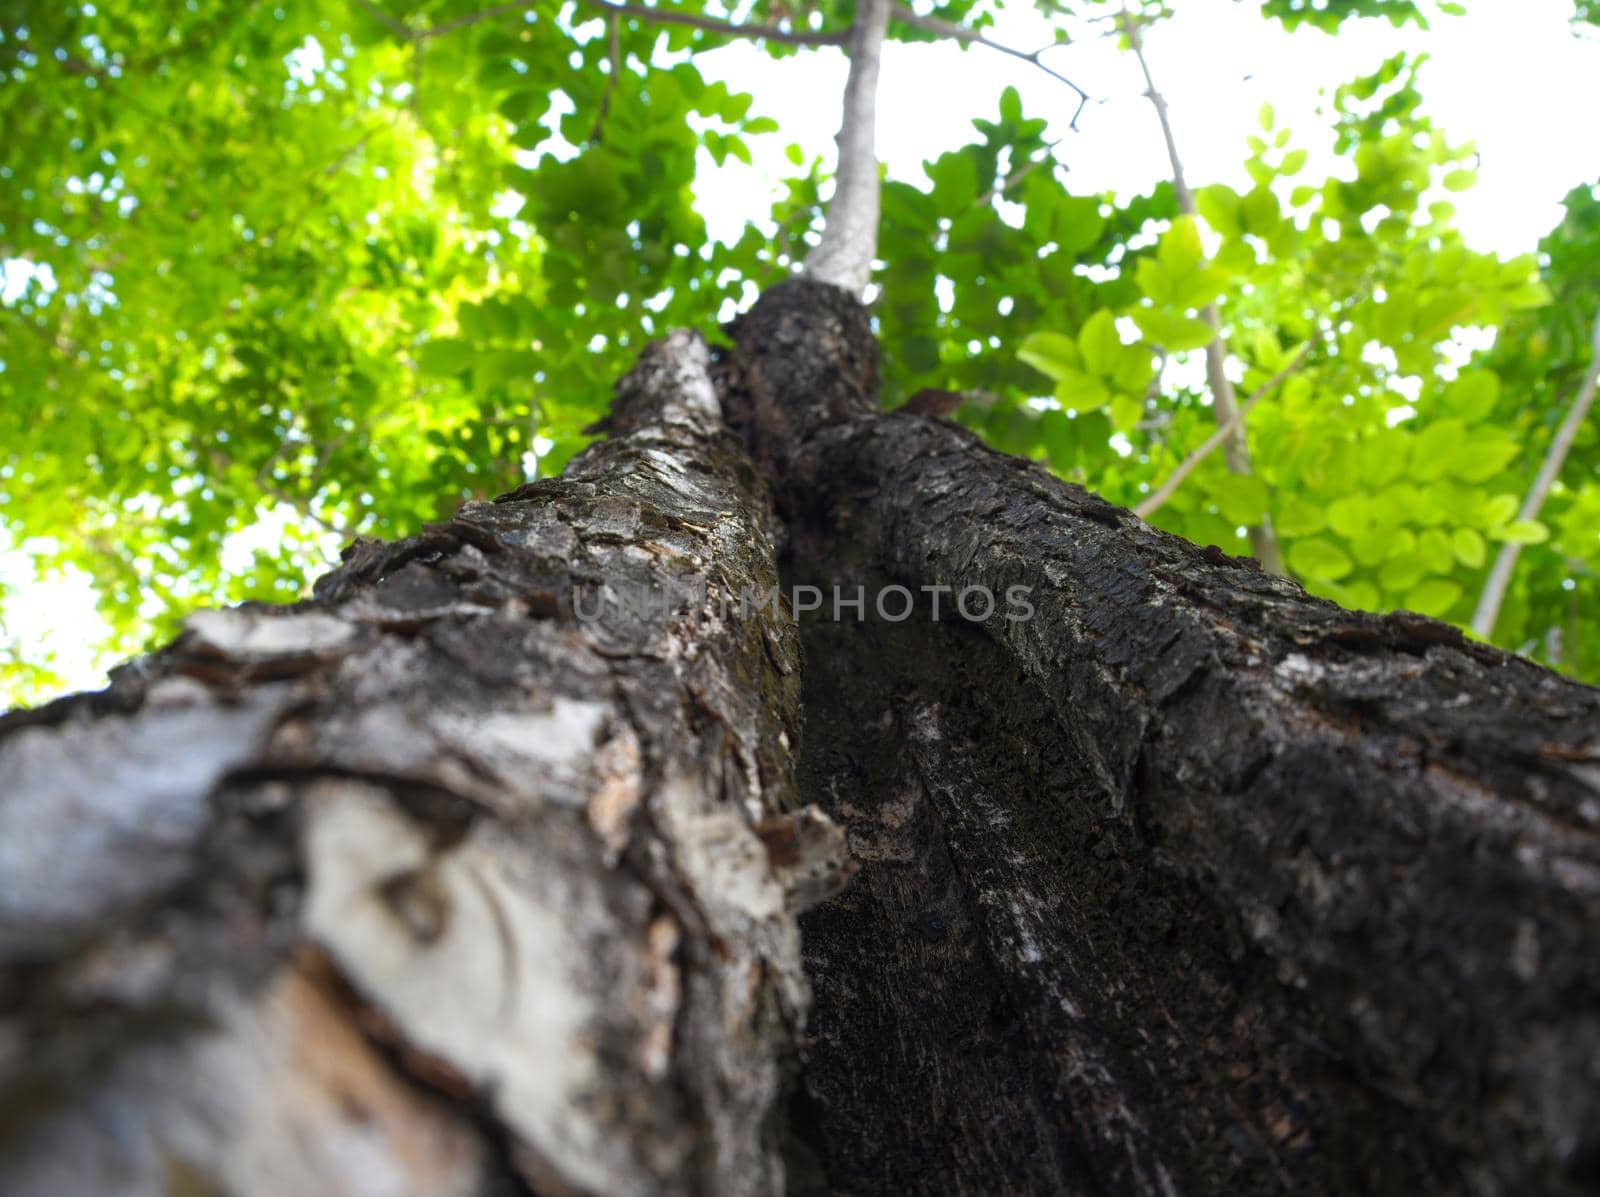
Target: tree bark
1189, 881
457, 879
475, 874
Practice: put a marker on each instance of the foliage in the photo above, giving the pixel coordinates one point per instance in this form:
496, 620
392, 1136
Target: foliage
281, 275
1328, 15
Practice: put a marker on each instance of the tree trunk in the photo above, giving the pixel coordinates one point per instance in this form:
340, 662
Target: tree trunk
477, 873
459, 879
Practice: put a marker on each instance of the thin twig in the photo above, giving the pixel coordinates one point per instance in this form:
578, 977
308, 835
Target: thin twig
774, 33
614, 44
1165, 491
398, 28
976, 37
1016, 176
221, 461
1494, 590
1224, 403
472, 18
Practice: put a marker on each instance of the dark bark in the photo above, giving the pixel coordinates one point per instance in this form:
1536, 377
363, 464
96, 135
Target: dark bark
430, 885
1187, 883
1190, 880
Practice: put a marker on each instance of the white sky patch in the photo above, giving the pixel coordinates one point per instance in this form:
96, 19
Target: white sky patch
1494, 77
306, 61
52, 619
17, 273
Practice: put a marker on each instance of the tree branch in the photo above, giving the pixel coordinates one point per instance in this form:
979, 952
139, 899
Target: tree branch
975, 37
398, 28
472, 18
1020, 173
614, 53
774, 33
1494, 590
1162, 493
850, 229
221, 461
1235, 450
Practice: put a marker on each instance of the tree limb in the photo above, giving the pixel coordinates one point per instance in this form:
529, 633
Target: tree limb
1263, 543
472, 18
1016, 176
1494, 590
1162, 493
850, 231
772, 33
614, 55
398, 28
975, 37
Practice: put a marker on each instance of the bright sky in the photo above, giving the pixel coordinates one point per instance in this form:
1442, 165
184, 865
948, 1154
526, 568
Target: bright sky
1510, 76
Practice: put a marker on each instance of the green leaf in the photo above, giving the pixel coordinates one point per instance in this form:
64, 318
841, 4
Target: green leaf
1154, 281
1350, 516
1400, 574
1318, 557
955, 181
1010, 106
1059, 443
921, 354
1260, 212
1436, 551
1126, 411
1481, 460
1435, 448
1499, 510
1529, 295
1099, 343
1219, 206
1180, 251
1055, 355
1298, 517
446, 356
1524, 532
504, 365
1172, 332
1469, 547
1241, 498
1433, 597
1076, 223
1473, 395
1199, 287
1077, 391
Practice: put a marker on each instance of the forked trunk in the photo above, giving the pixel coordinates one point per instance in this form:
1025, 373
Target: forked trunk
480, 872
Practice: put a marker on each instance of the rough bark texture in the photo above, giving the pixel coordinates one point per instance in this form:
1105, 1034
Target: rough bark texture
1189, 881
477, 873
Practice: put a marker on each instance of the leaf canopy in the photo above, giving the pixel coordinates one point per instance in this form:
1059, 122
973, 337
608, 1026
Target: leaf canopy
276, 276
